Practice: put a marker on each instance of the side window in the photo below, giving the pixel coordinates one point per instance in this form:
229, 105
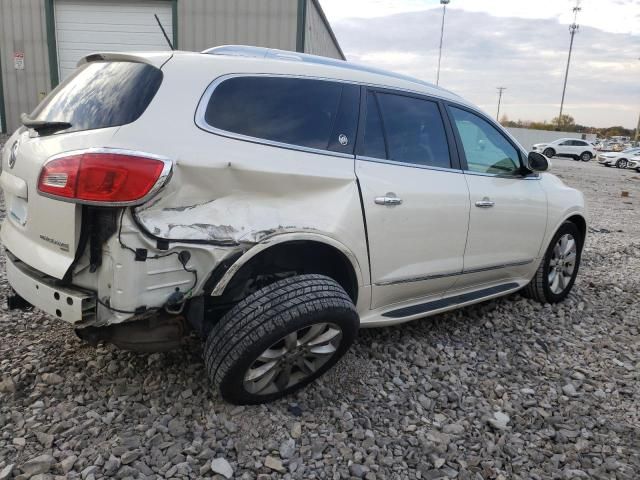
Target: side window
294, 111
567, 143
374, 145
414, 130
485, 148
579, 143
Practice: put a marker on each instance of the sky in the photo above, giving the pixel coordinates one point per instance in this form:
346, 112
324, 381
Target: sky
518, 44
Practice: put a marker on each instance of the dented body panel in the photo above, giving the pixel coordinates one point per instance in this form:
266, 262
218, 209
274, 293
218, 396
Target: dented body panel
230, 200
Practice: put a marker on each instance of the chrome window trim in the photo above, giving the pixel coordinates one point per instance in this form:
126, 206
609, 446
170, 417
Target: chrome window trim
406, 164
422, 278
531, 176
165, 175
206, 97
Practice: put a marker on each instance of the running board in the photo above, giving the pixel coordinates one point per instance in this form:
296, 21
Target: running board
450, 301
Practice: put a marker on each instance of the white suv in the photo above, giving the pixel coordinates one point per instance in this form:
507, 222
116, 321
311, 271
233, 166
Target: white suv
566, 147
273, 203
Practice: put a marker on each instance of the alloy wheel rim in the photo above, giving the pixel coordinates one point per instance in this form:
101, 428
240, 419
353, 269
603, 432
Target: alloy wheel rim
292, 359
586, 156
562, 263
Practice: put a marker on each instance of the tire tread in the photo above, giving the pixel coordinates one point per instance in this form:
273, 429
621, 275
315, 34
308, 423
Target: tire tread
267, 310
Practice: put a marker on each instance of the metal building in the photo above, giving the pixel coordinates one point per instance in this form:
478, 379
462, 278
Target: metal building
42, 40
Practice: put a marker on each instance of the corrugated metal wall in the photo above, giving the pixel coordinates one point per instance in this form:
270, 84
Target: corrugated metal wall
201, 24
318, 40
207, 23
23, 29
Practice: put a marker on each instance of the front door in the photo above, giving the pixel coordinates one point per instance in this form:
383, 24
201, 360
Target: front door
415, 198
508, 214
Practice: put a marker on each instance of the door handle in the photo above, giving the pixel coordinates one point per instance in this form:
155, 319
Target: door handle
389, 199
485, 203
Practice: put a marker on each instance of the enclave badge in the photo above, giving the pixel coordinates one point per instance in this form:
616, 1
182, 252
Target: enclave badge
12, 155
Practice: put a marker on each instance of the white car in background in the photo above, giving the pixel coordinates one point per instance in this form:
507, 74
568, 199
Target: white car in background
618, 159
567, 147
634, 162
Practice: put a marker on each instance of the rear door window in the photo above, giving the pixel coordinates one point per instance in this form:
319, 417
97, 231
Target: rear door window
100, 95
309, 113
374, 144
414, 130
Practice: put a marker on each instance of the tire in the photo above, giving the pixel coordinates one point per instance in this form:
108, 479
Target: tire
586, 156
622, 163
549, 152
638, 169
540, 287
263, 324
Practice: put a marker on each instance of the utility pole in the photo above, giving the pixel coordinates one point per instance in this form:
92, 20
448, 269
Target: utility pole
444, 4
573, 28
500, 90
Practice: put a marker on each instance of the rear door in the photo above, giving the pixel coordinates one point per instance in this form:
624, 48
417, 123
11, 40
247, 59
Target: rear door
97, 99
415, 197
508, 214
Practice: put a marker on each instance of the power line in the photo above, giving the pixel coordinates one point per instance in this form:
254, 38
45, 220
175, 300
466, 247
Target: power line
573, 28
444, 11
500, 90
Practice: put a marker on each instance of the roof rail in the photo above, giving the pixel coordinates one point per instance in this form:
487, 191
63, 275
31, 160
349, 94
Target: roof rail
275, 54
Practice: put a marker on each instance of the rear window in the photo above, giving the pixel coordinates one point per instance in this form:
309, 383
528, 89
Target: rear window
100, 95
305, 112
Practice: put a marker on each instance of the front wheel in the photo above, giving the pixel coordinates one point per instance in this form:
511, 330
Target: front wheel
559, 267
549, 152
280, 339
622, 163
586, 156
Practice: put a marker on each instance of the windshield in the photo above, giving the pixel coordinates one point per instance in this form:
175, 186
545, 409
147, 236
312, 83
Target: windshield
101, 94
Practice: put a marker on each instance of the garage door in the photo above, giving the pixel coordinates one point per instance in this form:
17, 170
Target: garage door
84, 27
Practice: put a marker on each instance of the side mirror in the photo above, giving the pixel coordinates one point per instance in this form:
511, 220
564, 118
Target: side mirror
537, 162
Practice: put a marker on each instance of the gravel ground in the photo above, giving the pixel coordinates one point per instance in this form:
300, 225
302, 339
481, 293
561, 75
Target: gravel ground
505, 389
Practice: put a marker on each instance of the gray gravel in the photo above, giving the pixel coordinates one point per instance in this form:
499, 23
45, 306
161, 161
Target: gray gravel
506, 389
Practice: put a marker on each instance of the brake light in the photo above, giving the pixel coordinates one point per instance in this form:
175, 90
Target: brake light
102, 177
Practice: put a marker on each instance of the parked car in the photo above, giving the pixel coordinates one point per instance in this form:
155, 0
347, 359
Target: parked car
274, 202
634, 162
566, 147
618, 159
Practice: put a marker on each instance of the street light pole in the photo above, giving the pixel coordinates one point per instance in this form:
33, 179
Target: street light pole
444, 11
572, 31
500, 90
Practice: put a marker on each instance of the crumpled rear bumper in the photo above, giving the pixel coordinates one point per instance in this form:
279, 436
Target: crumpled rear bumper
73, 305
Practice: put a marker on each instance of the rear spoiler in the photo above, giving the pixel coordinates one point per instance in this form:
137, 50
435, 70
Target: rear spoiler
155, 59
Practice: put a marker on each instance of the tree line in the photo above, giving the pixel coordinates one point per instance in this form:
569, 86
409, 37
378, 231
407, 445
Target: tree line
568, 124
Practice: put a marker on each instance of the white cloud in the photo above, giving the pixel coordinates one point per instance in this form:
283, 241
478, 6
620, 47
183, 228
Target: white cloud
527, 55
617, 16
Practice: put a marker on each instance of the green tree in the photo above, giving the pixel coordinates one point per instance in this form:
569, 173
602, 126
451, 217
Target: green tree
566, 123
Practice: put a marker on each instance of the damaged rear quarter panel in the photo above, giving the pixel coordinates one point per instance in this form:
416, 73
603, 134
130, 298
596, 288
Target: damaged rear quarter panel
236, 193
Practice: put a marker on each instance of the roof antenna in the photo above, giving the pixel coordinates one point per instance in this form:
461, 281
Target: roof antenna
166, 37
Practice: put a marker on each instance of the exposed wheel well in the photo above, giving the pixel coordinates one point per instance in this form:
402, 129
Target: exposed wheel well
295, 258
581, 223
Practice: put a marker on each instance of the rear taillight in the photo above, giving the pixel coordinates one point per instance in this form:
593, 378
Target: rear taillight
103, 177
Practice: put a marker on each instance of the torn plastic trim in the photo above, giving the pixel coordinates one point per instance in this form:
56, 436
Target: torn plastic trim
276, 239
167, 241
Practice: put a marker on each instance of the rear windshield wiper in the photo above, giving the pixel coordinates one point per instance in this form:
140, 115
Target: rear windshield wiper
43, 127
